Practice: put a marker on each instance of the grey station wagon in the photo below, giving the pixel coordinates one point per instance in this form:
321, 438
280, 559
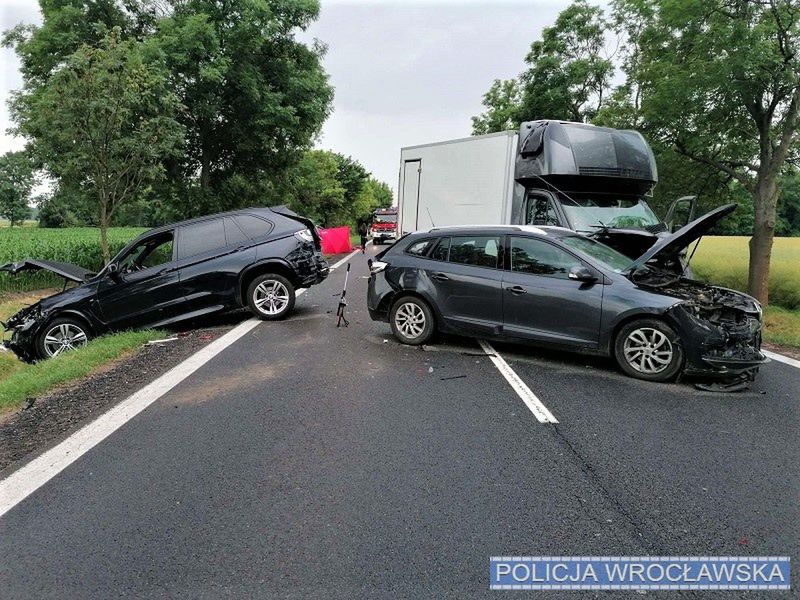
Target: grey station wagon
553, 286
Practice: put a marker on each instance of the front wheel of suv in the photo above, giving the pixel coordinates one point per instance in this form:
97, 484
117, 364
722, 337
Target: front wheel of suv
61, 335
271, 297
412, 321
649, 349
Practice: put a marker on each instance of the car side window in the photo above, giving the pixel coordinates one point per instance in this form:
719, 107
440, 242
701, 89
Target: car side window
529, 255
541, 211
150, 252
252, 226
420, 248
201, 237
233, 235
481, 251
442, 250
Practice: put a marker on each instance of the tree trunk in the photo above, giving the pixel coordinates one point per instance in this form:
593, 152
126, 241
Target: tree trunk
104, 223
765, 200
205, 171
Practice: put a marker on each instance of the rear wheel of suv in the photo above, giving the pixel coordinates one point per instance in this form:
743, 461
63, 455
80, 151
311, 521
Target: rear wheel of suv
412, 320
61, 335
649, 349
271, 297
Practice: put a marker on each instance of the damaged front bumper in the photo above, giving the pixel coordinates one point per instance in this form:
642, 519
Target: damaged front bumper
23, 329
726, 347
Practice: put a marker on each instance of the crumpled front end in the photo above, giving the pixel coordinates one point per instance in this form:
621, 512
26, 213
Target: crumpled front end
722, 332
24, 327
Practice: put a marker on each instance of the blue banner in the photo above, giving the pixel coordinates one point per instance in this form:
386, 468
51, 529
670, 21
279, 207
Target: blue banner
639, 573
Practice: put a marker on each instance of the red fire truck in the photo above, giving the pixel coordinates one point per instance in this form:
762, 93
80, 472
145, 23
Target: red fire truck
384, 225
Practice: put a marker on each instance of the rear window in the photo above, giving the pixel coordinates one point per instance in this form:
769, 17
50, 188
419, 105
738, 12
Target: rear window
252, 226
442, 250
420, 248
201, 238
480, 251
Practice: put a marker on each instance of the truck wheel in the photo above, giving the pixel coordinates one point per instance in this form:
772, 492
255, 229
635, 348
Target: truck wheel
649, 349
270, 297
412, 321
61, 335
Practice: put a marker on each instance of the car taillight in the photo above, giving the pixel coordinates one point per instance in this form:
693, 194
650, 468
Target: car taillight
376, 266
304, 235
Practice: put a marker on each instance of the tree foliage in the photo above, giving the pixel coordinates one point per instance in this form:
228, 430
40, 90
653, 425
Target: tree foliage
16, 182
568, 75
105, 121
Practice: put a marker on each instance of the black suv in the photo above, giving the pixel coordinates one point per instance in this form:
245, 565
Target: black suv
256, 257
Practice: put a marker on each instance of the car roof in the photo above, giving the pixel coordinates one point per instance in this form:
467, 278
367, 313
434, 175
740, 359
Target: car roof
542, 230
256, 210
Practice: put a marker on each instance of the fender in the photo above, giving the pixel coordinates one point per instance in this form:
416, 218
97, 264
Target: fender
282, 263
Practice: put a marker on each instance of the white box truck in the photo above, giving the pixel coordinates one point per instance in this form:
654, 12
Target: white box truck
590, 179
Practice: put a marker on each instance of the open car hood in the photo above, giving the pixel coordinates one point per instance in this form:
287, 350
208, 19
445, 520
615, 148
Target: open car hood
65, 270
671, 245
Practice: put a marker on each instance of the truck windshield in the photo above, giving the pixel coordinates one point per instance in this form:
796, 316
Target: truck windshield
588, 213
386, 218
599, 252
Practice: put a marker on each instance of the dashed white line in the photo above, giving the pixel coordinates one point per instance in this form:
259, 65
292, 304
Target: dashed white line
781, 358
27, 479
539, 410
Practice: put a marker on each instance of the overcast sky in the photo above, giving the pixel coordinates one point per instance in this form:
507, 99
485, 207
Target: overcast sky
406, 72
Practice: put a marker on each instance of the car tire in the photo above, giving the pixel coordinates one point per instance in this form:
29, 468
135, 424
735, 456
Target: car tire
412, 321
649, 349
271, 297
60, 335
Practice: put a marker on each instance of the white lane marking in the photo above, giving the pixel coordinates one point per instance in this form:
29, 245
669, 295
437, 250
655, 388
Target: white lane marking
539, 410
345, 259
781, 358
27, 479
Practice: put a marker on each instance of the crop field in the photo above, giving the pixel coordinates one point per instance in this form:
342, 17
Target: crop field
79, 245
724, 261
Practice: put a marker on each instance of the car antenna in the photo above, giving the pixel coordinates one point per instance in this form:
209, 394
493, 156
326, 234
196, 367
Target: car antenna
430, 217
341, 319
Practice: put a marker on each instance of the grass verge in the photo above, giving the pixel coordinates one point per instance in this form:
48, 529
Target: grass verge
782, 326
20, 381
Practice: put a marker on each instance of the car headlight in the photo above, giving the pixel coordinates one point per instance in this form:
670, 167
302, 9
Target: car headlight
304, 235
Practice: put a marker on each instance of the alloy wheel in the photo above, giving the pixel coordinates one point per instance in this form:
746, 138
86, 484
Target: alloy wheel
62, 337
271, 297
410, 320
648, 350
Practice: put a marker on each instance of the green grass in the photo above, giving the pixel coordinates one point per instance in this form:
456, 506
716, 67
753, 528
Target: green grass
20, 381
77, 245
724, 261
782, 326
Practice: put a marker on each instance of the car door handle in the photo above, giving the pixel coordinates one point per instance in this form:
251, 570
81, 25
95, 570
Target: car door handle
440, 277
517, 290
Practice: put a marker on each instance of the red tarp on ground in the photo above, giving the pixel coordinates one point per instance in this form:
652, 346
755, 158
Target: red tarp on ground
335, 240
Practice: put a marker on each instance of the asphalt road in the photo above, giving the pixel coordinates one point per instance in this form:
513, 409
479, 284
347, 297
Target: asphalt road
307, 461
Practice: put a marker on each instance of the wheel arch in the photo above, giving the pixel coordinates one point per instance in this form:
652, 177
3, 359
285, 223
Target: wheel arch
658, 314
276, 266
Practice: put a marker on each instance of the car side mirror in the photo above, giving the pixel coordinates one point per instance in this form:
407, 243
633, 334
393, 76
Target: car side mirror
113, 271
581, 273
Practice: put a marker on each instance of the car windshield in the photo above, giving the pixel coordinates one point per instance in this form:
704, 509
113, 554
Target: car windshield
587, 213
598, 252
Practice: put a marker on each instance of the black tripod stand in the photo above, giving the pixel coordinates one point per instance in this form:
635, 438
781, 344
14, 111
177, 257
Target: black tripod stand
341, 319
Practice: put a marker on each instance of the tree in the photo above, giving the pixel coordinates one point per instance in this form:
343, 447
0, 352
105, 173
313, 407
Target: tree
104, 121
255, 97
568, 75
314, 188
502, 103
719, 82
16, 182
